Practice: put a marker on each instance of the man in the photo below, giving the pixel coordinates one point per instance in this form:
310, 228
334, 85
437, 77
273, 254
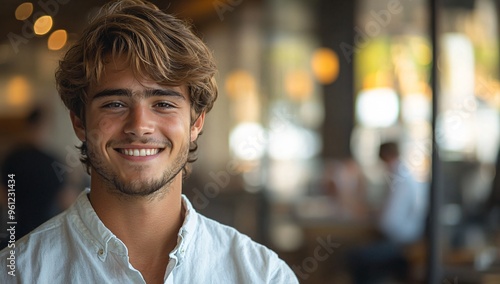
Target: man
138, 84
403, 217
401, 223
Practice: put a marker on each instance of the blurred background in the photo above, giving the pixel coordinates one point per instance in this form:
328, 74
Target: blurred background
320, 143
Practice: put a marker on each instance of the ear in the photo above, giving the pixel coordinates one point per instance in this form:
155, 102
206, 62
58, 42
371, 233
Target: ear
197, 126
78, 126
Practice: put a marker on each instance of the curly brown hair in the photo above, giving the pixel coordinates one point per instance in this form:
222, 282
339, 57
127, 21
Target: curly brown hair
156, 45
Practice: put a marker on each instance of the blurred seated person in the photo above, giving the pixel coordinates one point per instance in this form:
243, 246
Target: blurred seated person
400, 223
37, 183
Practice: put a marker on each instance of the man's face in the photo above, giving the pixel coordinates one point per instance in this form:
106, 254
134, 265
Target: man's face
137, 131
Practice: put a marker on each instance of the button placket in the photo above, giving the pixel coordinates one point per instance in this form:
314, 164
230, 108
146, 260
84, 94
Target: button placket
101, 254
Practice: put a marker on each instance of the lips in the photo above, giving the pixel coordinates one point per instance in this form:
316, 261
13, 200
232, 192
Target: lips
139, 152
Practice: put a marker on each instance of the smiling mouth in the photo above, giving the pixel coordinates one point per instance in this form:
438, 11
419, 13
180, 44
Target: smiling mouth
139, 152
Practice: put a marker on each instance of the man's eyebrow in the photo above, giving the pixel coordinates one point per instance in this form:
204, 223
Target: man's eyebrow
128, 93
112, 92
163, 92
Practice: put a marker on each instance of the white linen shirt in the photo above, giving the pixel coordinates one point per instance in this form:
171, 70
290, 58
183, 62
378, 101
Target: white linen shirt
76, 247
403, 218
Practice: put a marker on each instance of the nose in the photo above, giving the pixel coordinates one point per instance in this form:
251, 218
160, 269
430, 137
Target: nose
139, 123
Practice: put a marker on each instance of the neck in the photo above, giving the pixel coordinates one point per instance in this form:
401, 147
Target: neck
147, 226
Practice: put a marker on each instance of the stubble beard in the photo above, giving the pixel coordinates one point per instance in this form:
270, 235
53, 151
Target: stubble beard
139, 188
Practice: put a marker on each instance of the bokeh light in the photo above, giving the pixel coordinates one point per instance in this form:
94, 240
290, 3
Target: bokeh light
42, 25
325, 65
57, 40
18, 91
23, 11
239, 82
298, 85
377, 107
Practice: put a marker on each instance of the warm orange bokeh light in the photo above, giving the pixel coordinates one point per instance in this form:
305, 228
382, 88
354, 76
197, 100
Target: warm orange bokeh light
298, 85
42, 25
325, 65
240, 82
18, 91
23, 11
57, 40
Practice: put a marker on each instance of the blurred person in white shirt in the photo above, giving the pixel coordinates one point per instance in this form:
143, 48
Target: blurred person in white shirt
401, 222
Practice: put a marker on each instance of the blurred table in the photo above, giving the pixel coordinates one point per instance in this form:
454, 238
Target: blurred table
329, 236
319, 216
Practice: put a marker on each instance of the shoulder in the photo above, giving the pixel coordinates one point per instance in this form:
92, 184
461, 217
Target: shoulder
42, 236
42, 253
239, 253
220, 234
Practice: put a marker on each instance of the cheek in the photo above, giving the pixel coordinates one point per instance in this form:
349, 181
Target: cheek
106, 124
99, 130
175, 128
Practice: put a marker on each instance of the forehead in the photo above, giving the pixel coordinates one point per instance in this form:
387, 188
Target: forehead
117, 73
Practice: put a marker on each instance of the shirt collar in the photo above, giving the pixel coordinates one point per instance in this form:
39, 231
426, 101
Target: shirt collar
104, 240
94, 229
186, 231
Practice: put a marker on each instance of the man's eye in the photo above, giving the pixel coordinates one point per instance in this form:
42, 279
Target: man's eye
114, 105
164, 105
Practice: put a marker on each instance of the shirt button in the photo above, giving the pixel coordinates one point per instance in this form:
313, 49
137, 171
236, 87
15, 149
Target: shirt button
100, 252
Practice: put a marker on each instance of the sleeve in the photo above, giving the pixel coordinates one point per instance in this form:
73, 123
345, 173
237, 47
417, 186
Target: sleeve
283, 274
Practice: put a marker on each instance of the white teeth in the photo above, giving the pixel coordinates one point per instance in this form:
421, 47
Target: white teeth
139, 152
